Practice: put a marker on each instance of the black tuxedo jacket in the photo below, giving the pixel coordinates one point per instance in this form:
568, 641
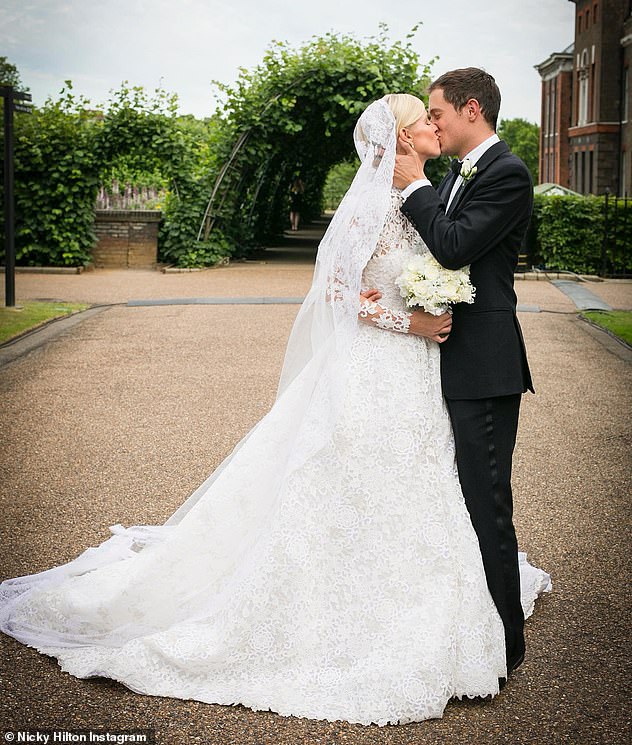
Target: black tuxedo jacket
484, 355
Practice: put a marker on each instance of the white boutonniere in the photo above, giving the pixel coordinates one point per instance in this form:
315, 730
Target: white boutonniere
468, 171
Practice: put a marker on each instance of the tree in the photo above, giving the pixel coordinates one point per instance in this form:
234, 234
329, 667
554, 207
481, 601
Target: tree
338, 181
523, 138
56, 179
66, 148
9, 75
227, 177
295, 113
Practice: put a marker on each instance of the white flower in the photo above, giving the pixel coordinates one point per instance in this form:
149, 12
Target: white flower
385, 610
346, 517
261, 638
424, 282
415, 689
468, 171
329, 678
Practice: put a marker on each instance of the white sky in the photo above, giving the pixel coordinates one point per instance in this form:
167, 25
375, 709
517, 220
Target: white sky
184, 44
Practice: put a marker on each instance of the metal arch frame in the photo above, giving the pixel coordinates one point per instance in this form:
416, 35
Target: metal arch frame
208, 220
206, 223
255, 196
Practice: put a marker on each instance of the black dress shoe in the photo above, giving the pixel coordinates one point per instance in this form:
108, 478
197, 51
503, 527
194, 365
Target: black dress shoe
511, 666
515, 662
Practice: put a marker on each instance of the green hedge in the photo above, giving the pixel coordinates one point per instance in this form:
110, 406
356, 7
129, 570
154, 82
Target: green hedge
294, 113
65, 150
567, 234
56, 180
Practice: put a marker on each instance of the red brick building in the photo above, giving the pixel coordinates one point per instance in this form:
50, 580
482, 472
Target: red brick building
555, 116
586, 129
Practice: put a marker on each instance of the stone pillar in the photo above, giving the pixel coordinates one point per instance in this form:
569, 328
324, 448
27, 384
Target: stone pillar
126, 239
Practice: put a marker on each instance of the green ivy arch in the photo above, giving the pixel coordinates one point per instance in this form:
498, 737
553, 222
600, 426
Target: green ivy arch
294, 114
228, 176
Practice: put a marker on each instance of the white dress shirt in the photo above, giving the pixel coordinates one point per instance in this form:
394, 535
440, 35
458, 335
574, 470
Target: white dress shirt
473, 156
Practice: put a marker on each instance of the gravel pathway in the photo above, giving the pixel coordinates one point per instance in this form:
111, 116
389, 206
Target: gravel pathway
119, 418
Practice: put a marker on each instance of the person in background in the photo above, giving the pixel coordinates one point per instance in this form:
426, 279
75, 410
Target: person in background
296, 198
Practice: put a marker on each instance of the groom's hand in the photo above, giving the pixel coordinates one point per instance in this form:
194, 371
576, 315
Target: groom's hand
432, 327
408, 168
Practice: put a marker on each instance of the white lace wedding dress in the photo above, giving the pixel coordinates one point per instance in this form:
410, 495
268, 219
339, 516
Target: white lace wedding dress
358, 594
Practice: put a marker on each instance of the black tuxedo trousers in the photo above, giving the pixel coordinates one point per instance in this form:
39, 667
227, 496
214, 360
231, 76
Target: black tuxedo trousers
485, 434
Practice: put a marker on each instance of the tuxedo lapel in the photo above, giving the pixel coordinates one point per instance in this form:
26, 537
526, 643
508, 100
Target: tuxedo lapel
457, 197
489, 156
445, 186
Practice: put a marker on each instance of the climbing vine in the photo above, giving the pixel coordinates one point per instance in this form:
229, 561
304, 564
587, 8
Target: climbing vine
294, 114
56, 179
225, 179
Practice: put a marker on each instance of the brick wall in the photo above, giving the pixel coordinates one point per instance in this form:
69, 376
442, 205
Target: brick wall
625, 174
595, 139
557, 82
613, 16
564, 111
126, 239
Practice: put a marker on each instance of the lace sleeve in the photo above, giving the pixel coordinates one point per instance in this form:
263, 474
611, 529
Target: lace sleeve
384, 318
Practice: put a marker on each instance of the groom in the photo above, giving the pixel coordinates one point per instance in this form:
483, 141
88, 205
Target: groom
479, 216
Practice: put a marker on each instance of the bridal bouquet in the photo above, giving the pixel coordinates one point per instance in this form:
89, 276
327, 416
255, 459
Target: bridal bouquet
426, 283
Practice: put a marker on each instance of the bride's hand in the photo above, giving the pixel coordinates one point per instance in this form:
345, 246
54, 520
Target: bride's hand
372, 295
432, 327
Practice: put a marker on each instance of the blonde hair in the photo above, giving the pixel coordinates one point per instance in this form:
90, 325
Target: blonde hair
406, 109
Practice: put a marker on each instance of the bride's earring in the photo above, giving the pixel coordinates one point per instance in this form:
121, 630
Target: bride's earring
412, 144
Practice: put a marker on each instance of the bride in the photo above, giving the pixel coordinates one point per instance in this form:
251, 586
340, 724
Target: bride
328, 568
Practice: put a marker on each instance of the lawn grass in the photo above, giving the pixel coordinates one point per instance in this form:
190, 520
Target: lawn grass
618, 322
29, 315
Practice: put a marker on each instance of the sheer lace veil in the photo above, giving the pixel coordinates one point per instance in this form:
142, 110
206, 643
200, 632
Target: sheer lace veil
329, 311
313, 376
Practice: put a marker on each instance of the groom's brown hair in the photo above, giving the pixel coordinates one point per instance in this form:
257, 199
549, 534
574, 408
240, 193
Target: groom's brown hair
459, 86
